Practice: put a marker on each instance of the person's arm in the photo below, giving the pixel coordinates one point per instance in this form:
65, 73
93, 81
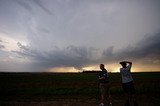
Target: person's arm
129, 62
101, 78
129, 65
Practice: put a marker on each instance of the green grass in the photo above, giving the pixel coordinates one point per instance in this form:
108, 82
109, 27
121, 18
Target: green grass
29, 85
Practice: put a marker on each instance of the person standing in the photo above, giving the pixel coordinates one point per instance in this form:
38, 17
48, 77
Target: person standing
104, 85
127, 82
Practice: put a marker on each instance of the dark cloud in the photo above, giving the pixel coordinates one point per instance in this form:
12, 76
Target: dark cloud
147, 48
26, 52
25, 5
70, 56
41, 5
28, 6
22, 46
2, 46
108, 52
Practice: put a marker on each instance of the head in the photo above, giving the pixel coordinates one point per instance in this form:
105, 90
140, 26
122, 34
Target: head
101, 66
124, 64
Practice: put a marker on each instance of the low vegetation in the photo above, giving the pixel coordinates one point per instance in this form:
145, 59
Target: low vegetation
13, 85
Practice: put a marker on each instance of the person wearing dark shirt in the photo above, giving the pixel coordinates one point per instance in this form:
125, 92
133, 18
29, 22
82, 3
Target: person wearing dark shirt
104, 85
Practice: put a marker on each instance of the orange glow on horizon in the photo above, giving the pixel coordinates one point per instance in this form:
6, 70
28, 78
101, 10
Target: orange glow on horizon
63, 69
110, 68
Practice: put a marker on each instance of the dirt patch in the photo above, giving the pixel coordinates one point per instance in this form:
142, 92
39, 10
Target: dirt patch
143, 100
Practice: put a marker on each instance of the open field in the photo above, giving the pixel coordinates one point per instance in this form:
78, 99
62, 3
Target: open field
72, 89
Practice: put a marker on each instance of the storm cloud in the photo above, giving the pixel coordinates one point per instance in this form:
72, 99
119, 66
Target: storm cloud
38, 34
147, 48
70, 56
78, 57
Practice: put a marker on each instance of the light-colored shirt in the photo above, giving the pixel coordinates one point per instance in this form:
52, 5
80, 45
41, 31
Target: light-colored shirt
126, 74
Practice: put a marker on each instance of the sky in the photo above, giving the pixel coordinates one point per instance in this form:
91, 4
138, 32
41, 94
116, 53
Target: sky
76, 35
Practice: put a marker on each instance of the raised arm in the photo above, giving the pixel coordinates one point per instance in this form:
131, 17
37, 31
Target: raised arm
129, 65
129, 62
126, 64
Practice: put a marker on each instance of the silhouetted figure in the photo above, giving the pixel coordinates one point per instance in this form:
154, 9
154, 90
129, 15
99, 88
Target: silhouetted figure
104, 85
127, 82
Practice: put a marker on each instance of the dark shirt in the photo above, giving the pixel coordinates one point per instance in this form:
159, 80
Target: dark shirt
104, 74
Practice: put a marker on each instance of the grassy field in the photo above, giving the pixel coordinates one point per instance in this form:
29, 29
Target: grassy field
72, 88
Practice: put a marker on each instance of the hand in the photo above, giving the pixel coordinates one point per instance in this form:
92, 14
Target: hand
101, 77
